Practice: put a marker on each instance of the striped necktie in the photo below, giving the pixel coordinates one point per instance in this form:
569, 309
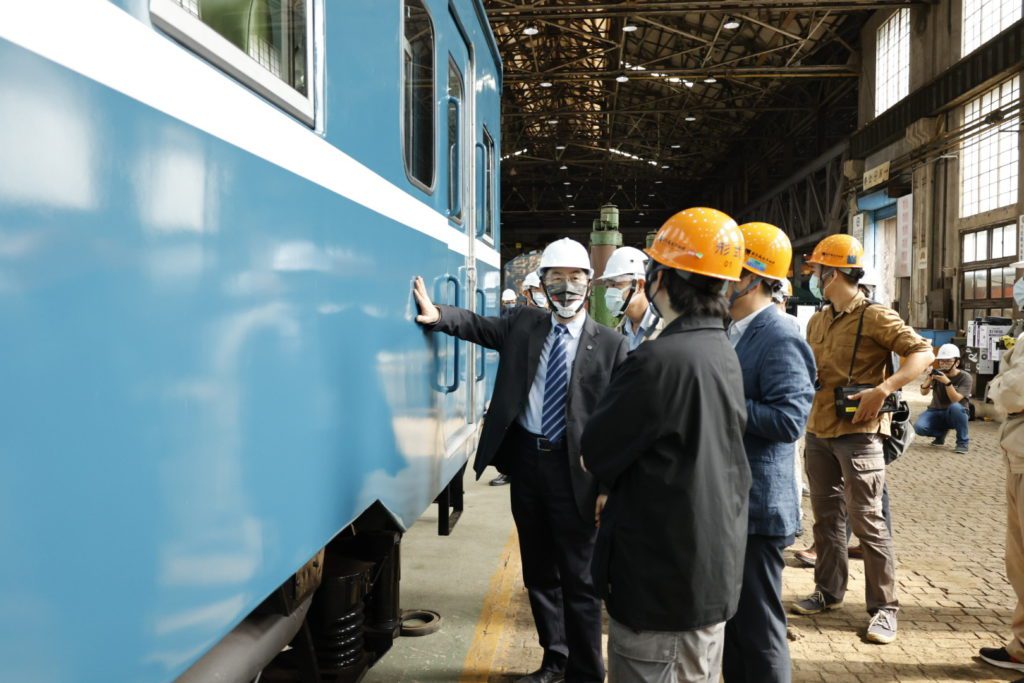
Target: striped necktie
556, 387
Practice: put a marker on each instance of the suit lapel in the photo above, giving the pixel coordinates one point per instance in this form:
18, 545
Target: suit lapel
538, 334
584, 351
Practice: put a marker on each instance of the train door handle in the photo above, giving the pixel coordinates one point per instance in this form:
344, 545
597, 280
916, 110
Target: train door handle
481, 310
439, 295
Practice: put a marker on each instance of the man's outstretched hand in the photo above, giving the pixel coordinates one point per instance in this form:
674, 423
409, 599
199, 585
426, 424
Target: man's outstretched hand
429, 313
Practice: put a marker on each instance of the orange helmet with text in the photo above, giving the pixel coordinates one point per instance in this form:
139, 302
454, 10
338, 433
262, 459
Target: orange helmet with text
768, 250
701, 241
839, 251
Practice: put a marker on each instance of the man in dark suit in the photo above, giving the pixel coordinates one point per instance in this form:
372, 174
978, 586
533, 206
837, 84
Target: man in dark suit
553, 367
778, 384
666, 441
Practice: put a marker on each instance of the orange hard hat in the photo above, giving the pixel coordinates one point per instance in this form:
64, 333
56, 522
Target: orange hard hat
839, 251
701, 241
768, 251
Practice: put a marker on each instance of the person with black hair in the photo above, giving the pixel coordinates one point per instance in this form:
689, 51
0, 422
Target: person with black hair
666, 441
853, 340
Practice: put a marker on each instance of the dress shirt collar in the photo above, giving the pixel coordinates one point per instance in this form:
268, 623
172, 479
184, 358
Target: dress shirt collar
575, 326
738, 327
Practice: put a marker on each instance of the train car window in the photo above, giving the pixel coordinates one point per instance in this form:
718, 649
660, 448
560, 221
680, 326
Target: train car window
265, 44
488, 172
418, 127
455, 99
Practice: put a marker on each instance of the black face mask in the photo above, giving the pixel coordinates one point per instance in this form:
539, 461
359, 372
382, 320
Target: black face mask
567, 298
650, 276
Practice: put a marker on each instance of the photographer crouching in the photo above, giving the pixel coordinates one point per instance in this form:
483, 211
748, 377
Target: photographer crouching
949, 408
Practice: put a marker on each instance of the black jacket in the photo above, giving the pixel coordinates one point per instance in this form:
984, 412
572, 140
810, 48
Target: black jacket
519, 339
667, 440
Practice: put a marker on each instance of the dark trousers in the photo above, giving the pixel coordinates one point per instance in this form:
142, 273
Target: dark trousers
556, 546
756, 648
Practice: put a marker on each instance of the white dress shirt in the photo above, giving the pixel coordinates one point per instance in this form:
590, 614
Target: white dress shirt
738, 327
635, 338
531, 417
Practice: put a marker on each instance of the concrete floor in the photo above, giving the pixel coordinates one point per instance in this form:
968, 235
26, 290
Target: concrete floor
454, 575
949, 518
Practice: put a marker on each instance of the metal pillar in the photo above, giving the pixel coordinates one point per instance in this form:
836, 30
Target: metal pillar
604, 240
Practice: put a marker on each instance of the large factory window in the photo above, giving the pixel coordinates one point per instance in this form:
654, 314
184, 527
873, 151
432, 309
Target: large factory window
990, 155
265, 44
984, 19
418, 128
985, 258
455, 99
892, 60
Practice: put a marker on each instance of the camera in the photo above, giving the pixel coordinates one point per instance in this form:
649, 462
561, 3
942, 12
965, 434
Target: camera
846, 406
937, 372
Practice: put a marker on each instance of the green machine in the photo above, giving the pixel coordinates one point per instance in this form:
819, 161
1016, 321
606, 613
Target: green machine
604, 240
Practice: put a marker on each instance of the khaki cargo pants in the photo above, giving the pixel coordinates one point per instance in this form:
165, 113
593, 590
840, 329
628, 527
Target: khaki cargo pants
846, 475
1015, 556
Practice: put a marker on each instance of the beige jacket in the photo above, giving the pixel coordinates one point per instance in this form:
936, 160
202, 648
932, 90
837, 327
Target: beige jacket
1007, 392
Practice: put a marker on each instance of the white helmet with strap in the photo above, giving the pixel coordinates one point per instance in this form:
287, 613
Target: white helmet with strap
626, 262
565, 253
948, 352
531, 280
508, 296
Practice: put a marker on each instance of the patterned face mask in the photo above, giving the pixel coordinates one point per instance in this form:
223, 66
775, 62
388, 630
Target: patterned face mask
567, 298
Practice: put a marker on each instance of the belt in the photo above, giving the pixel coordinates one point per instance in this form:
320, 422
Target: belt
538, 442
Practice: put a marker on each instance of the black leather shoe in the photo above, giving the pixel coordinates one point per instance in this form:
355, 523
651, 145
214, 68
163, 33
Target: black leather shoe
543, 676
500, 480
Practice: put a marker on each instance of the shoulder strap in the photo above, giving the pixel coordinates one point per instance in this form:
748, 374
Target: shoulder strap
856, 342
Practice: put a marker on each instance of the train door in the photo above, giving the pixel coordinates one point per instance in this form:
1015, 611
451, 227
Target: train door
457, 75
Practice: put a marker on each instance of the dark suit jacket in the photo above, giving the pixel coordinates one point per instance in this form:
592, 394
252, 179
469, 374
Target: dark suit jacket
667, 439
519, 339
778, 382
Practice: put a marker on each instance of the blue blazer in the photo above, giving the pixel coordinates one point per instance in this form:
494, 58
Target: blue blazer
778, 383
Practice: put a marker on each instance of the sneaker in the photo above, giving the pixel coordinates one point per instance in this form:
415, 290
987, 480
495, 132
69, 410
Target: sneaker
855, 552
882, 627
998, 656
940, 441
961, 449
815, 603
807, 557
500, 480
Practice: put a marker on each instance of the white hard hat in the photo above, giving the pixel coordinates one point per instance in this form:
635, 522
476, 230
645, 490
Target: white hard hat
565, 253
783, 292
508, 295
870, 278
948, 351
625, 262
531, 280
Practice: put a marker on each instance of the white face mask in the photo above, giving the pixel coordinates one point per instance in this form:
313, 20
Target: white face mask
615, 300
1018, 293
539, 299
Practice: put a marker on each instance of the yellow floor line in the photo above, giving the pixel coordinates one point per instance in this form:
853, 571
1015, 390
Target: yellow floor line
483, 651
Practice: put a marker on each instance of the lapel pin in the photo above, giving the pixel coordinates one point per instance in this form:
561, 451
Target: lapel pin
590, 347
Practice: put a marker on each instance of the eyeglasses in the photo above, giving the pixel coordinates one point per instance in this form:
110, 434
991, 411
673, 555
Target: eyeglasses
558, 279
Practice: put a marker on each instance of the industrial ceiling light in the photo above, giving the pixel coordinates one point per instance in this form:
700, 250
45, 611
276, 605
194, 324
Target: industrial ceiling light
546, 84
731, 24
711, 79
559, 146
622, 78
691, 118
676, 146
562, 167
531, 30
568, 196
657, 182
664, 165
629, 27
566, 182
688, 84
674, 79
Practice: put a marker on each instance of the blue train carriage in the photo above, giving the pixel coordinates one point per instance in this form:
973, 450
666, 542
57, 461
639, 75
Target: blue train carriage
217, 413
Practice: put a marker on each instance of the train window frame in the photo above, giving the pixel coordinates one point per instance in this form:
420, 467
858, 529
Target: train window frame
193, 33
406, 111
490, 171
456, 171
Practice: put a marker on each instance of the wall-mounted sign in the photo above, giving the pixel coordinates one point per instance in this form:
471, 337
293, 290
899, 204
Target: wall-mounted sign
904, 234
857, 226
876, 176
